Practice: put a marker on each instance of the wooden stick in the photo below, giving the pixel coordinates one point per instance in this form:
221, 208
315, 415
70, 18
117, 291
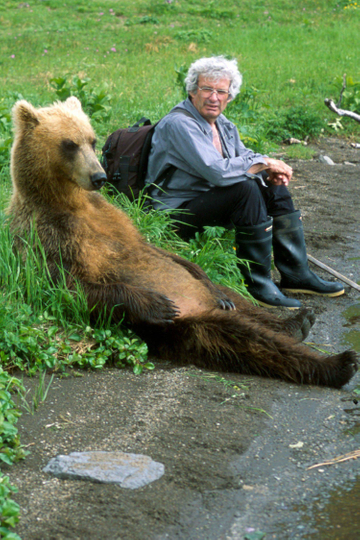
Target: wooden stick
334, 273
351, 455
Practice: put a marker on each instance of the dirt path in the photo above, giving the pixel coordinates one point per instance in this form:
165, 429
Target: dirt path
228, 466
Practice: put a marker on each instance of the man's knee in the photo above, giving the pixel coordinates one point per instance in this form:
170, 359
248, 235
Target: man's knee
247, 189
278, 200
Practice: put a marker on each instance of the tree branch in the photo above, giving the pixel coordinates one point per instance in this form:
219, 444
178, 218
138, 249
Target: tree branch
341, 112
342, 90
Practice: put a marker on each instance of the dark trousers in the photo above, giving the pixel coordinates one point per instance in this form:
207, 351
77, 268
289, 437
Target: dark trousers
243, 204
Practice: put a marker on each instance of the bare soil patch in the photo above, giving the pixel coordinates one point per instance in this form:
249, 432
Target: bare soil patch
221, 453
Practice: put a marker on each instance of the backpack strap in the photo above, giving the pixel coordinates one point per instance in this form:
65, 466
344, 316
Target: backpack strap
166, 175
145, 121
182, 111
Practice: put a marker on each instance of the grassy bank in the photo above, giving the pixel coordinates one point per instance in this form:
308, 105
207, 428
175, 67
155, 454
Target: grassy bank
290, 52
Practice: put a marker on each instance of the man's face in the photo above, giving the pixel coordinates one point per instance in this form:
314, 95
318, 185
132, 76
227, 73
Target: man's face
210, 107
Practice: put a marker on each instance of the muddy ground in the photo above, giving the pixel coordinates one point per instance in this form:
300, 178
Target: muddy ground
235, 458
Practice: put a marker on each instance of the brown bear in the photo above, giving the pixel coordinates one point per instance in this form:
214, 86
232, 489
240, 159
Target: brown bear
170, 302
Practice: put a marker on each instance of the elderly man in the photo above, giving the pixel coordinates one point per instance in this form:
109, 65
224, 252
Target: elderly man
218, 181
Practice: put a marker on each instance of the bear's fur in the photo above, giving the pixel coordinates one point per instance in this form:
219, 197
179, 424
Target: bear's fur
170, 302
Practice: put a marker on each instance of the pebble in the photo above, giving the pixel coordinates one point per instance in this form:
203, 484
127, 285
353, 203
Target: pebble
326, 160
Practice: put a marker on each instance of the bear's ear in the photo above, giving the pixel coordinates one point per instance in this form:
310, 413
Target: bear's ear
73, 103
24, 114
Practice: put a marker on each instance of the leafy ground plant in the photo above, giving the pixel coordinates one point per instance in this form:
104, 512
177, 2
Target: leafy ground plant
9, 509
349, 89
96, 102
298, 122
10, 451
39, 395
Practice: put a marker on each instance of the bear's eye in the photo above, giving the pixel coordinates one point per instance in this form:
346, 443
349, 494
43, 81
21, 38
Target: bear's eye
69, 146
93, 144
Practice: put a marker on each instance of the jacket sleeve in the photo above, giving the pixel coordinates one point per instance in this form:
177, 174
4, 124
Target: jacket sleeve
192, 150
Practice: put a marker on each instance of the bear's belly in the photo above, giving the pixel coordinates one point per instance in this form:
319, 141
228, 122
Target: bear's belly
165, 276
144, 268
190, 305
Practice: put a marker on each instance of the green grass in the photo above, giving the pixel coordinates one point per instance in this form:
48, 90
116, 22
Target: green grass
126, 59
291, 51
297, 151
293, 55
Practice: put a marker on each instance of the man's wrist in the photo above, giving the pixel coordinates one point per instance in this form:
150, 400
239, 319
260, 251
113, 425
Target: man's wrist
258, 167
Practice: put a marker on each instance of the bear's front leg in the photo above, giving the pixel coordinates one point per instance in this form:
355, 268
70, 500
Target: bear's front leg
137, 304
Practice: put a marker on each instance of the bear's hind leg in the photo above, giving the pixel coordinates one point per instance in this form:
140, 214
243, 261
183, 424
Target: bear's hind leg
297, 326
341, 368
230, 342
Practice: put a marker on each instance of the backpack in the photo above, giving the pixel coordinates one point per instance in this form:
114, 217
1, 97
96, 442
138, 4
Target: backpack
125, 156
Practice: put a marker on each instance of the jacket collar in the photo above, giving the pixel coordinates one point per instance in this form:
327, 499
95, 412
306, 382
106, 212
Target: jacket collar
187, 105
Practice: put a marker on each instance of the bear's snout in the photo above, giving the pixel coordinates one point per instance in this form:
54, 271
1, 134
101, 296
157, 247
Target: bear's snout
98, 179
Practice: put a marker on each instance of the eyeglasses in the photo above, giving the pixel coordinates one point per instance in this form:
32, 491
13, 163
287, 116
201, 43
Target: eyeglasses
207, 92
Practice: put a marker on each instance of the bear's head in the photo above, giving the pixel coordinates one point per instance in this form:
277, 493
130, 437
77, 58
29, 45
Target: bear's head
54, 150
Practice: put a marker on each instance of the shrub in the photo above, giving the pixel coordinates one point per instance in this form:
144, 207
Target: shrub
201, 35
351, 95
297, 122
5, 134
10, 451
95, 102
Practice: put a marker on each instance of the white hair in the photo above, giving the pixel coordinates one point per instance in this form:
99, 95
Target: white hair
214, 68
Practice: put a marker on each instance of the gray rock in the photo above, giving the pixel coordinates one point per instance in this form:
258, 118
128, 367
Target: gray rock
127, 470
326, 159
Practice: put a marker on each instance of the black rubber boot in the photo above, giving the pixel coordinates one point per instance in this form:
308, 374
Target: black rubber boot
291, 260
254, 245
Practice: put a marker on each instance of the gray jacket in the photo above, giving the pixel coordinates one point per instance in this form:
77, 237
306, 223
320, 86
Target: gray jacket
186, 143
